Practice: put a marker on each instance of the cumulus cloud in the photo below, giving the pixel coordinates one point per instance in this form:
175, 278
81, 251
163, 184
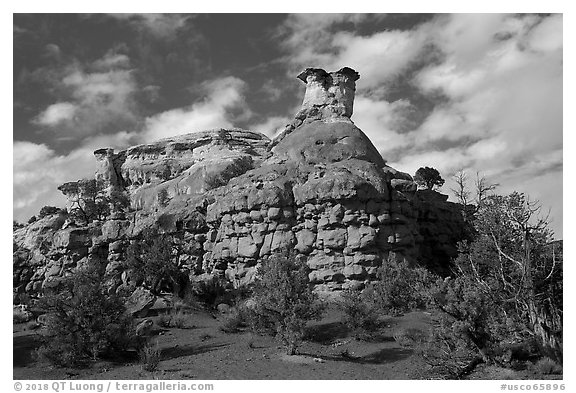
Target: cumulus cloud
97, 95
381, 121
312, 40
57, 113
38, 170
509, 99
159, 25
223, 104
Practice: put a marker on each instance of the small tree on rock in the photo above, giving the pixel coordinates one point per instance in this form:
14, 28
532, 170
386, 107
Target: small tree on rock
153, 259
90, 202
428, 178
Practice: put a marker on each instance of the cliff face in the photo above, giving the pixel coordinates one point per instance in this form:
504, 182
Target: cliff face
320, 191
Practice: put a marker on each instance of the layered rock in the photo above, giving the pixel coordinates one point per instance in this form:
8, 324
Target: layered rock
320, 192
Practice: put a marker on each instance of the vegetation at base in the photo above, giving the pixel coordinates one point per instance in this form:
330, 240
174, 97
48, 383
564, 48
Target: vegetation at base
175, 318
150, 357
237, 319
85, 322
284, 301
399, 289
360, 313
503, 303
153, 261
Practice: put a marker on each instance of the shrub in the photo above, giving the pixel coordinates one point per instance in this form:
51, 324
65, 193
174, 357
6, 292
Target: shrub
402, 288
179, 320
150, 357
89, 201
86, 321
473, 327
410, 337
428, 178
164, 320
547, 366
284, 301
237, 319
448, 356
48, 211
174, 318
152, 258
360, 313
232, 323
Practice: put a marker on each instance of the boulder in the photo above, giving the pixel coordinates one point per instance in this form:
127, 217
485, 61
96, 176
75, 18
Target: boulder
144, 328
139, 302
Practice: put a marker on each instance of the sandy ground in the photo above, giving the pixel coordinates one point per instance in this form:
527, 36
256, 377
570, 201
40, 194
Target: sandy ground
202, 351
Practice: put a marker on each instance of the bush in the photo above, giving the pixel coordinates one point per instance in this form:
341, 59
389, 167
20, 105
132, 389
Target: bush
152, 259
233, 322
150, 357
164, 320
179, 320
174, 318
547, 366
86, 321
402, 288
428, 178
360, 313
89, 200
473, 328
284, 301
49, 211
410, 337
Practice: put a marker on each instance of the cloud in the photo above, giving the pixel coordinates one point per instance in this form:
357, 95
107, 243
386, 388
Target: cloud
96, 96
320, 41
509, 97
37, 173
57, 113
38, 170
381, 121
158, 25
112, 61
223, 105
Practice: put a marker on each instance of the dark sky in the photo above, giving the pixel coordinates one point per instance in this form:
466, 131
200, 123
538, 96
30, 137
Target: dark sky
167, 65
449, 91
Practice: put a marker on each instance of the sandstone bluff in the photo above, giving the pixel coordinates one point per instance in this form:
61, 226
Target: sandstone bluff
320, 190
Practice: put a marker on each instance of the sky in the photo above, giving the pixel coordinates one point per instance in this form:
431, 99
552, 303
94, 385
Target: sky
474, 92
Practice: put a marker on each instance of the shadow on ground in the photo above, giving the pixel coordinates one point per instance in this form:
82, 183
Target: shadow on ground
24, 347
327, 332
189, 350
386, 355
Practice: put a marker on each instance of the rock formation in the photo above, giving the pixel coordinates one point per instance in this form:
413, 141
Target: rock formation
320, 192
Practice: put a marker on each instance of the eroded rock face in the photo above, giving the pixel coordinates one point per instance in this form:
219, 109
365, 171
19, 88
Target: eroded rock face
320, 192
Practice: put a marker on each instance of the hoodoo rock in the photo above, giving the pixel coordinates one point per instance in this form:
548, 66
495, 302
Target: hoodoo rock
320, 192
